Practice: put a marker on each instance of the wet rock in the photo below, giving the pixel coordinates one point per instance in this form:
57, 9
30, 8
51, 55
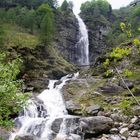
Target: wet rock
129, 84
75, 137
56, 125
73, 108
25, 138
93, 110
96, 125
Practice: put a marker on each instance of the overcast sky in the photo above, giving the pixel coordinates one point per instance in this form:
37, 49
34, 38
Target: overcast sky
116, 4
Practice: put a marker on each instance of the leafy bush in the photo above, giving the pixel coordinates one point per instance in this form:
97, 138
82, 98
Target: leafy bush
127, 73
118, 53
11, 96
106, 63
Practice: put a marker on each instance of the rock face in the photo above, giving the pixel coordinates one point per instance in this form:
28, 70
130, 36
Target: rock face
66, 37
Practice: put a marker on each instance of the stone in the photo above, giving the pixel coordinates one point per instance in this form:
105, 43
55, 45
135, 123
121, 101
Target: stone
114, 131
136, 110
129, 84
131, 126
133, 138
134, 120
116, 117
96, 125
136, 127
75, 137
115, 137
93, 110
73, 108
25, 138
124, 132
56, 125
111, 89
134, 133
4, 134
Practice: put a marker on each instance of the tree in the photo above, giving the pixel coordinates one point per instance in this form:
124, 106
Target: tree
12, 99
1, 35
65, 6
46, 18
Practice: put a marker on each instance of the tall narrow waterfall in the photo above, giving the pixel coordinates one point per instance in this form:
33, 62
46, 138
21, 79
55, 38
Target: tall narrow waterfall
83, 43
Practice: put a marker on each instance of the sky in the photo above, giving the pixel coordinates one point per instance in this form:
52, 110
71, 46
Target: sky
116, 4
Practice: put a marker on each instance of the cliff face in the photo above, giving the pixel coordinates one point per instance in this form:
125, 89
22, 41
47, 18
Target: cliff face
66, 35
98, 29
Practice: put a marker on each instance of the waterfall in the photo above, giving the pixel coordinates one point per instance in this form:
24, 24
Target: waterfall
83, 43
46, 110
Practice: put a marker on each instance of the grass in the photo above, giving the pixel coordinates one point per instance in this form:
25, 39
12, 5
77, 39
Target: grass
16, 36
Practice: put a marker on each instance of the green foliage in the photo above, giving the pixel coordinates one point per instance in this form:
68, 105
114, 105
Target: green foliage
127, 73
125, 105
27, 3
102, 6
118, 53
47, 26
108, 73
12, 99
2, 35
126, 29
65, 6
106, 63
137, 44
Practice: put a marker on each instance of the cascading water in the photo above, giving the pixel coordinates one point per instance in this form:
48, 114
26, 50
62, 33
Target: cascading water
38, 118
83, 43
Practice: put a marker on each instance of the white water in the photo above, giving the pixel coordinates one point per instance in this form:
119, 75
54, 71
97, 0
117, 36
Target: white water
36, 121
83, 43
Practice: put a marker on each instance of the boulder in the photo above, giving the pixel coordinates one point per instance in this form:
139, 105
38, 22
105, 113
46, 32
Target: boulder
93, 110
95, 125
111, 89
129, 84
73, 108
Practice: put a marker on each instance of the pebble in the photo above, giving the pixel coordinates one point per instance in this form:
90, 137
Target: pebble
134, 133
134, 120
114, 131
133, 138
115, 137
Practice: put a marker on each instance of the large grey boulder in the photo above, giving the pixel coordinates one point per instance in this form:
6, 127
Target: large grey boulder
111, 89
96, 125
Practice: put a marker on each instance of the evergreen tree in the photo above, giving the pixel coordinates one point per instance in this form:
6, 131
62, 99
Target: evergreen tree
1, 35
46, 24
65, 6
